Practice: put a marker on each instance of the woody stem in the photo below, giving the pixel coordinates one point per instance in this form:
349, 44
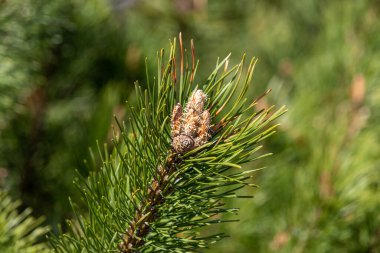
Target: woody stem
148, 211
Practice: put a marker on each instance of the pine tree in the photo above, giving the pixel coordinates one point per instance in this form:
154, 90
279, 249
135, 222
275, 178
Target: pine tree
175, 161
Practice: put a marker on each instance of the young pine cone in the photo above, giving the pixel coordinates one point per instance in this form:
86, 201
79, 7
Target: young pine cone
191, 128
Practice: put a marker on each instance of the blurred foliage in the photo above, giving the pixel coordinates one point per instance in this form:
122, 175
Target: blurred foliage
66, 67
63, 76
19, 232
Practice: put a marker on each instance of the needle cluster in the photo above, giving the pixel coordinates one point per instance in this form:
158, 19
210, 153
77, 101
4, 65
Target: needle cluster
171, 168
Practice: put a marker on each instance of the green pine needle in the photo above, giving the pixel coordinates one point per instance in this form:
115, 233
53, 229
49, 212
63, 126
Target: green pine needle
148, 198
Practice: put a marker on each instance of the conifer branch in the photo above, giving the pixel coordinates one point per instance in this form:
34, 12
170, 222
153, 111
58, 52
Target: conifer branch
148, 211
172, 168
188, 132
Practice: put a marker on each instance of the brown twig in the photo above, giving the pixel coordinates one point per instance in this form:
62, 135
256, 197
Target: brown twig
148, 211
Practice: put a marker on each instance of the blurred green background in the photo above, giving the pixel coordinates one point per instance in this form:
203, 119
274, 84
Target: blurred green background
67, 66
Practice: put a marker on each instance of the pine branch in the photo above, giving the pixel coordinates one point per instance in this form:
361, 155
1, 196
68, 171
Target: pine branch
148, 211
172, 168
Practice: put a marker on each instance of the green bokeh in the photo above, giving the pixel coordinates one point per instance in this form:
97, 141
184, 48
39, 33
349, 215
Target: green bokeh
66, 67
